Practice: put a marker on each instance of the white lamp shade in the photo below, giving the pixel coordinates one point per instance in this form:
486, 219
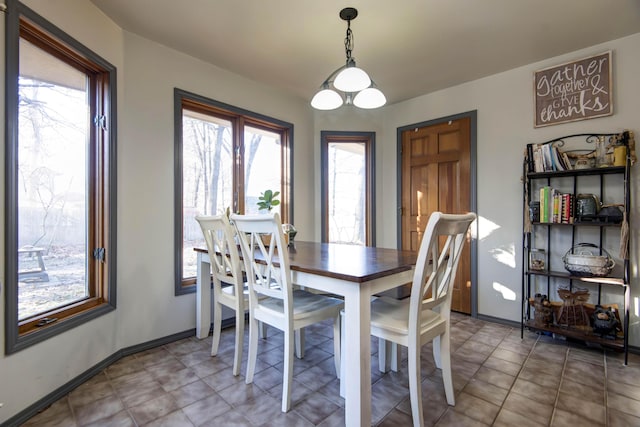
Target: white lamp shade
326, 99
371, 97
352, 79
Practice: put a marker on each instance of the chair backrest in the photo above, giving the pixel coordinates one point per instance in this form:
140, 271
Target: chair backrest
223, 251
266, 257
437, 264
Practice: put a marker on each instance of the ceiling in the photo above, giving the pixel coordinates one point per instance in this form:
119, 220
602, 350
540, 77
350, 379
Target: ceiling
408, 47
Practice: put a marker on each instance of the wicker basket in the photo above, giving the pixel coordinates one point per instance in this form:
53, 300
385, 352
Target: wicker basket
582, 262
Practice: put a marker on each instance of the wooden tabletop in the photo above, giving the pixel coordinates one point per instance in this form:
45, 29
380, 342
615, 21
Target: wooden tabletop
347, 262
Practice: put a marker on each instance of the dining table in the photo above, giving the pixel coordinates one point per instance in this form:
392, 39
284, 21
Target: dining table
354, 272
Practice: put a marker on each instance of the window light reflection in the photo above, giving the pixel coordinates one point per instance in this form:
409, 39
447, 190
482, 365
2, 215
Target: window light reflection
507, 293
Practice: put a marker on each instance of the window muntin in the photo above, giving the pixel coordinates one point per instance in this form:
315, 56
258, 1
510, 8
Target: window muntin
234, 152
347, 188
60, 192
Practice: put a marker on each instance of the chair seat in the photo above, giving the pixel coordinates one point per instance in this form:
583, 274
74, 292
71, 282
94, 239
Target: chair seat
230, 290
393, 315
305, 304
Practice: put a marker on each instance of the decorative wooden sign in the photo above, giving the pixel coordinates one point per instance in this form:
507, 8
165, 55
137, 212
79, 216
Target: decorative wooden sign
576, 90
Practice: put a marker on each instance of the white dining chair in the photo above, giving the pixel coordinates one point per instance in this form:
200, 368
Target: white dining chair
220, 238
266, 259
424, 316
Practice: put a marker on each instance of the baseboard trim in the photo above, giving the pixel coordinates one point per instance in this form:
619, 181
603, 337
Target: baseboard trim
499, 320
32, 410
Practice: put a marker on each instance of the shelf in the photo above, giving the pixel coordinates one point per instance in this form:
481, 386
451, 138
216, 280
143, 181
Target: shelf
581, 224
577, 172
578, 334
617, 281
552, 236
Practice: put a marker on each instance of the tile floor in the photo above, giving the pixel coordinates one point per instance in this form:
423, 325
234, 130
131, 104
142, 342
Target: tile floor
500, 380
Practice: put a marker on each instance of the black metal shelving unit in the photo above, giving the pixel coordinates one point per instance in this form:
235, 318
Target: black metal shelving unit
541, 234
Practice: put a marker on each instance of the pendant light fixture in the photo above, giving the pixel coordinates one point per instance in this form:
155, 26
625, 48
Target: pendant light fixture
348, 84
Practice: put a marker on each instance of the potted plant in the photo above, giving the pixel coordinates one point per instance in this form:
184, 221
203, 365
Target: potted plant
268, 200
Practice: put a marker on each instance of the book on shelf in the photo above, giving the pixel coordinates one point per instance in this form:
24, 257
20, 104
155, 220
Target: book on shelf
546, 158
556, 207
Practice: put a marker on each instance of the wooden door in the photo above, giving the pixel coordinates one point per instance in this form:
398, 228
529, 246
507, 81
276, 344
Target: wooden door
436, 177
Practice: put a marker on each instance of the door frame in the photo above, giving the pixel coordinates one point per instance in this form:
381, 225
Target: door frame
473, 192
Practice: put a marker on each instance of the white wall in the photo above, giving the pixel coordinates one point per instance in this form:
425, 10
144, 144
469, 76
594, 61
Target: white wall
147, 73
504, 104
146, 308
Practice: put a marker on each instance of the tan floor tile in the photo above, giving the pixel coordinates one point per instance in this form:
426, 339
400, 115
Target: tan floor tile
499, 379
396, 418
576, 404
540, 378
620, 419
591, 394
174, 419
206, 409
509, 356
190, 393
502, 365
58, 412
98, 409
121, 419
495, 377
623, 404
452, 418
534, 392
153, 409
523, 405
476, 408
507, 418
228, 419
486, 391
316, 408
631, 391
84, 395
562, 418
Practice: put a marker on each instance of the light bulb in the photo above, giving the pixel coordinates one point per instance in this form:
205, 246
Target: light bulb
352, 79
371, 97
326, 99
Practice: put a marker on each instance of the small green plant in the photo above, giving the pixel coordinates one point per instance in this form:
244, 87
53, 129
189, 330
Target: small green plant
268, 200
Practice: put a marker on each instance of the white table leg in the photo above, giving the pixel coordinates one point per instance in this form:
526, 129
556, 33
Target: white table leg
358, 357
203, 296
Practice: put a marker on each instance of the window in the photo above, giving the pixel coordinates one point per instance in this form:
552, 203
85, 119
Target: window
348, 188
60, 152
226, 158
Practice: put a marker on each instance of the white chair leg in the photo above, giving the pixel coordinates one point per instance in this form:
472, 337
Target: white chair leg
415, 390
436, 352
445, 361
395, 356
288, 371
237, 355
253, 349
342, 357
217, 320
337, 341
263, 330
384, 347
388, 356
299, 340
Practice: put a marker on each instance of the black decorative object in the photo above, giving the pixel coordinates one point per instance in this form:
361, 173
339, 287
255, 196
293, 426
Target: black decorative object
604, 321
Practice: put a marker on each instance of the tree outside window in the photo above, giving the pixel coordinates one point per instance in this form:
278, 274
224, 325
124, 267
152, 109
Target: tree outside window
220, 171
